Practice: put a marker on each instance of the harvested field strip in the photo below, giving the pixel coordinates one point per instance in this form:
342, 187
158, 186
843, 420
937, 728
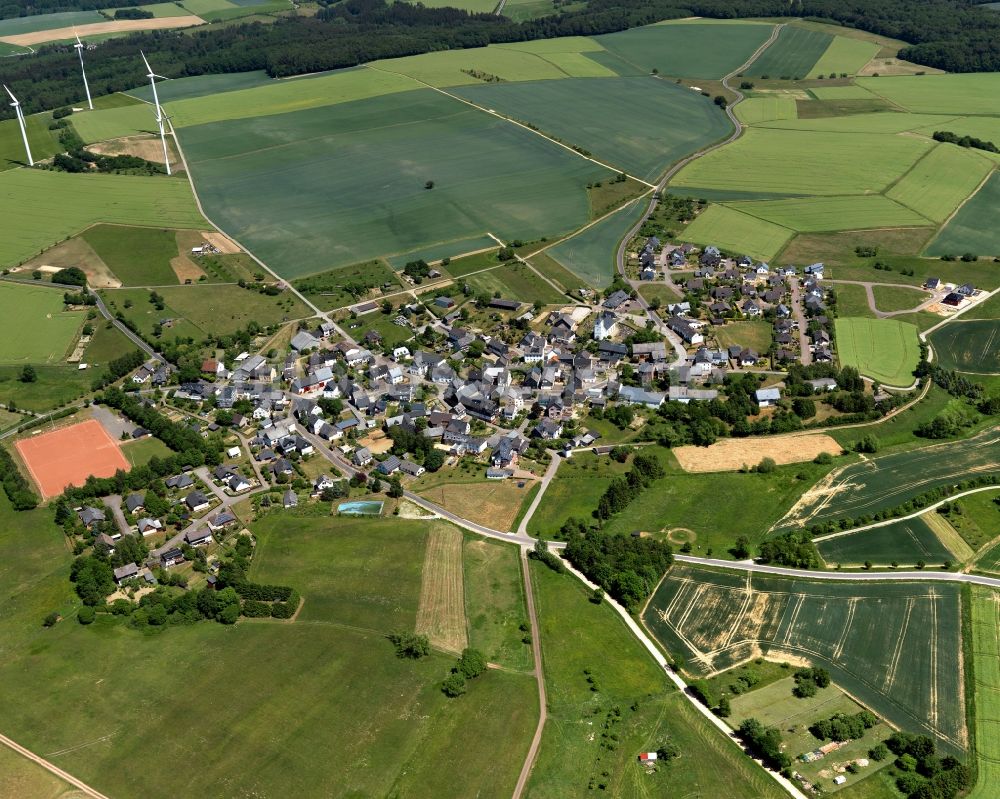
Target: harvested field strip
948, 536
862, 121
840, 93
114, 27
941, 181
441, 612
731, 454
494, 503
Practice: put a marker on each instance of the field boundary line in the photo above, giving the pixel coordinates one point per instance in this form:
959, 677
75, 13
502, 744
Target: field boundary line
513, 121
52, 768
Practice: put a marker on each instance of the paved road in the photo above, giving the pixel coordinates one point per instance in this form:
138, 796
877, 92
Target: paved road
805, 354
54, 769
522, 528
869, 285
142, 345
924, 575
114, 504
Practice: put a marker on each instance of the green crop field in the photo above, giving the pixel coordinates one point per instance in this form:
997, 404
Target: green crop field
737, 232
987, 128
138, 256
326, 660
755, 110
44, 22
969, 346
882, 349
885, 481
591, 254
200, 7
974, 93
818, 214
574, 633
440, 251
902, 542
844, 55
941, 181
514, 282
202, 86
102, 124
792, 55
343, 184
857, 122
36, 329
985, 647
588, 114
688, 49
972, 228
893, 646
40, 208
43, 142
840, 93
766, 160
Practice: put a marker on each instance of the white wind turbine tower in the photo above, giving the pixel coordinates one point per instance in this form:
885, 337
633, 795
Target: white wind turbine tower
86, 86
20, 121
159, 111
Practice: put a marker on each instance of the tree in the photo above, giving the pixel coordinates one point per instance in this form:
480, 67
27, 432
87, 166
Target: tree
86, 615
454, 685
471, 664
50, 620
429, 185
724, 710
27, 374
741, 550
433, 460
410, 645
868, 444
803, 407
395, 487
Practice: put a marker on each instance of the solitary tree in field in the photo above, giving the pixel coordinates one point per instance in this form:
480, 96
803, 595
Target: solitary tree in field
28, 374
429, 184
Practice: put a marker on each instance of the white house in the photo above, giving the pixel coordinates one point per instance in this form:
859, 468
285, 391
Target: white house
767, 397
605, 326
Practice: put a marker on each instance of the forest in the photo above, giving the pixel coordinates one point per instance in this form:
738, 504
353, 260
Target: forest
955, 36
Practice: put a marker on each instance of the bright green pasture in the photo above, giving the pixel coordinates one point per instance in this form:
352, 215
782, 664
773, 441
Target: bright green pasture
893, 646
766, 160
882, 349
45, 22
323, 682
201, 86
285, 96
885, 481
986, 128
985, 647
514, 281
40, 208
692, 49
36, 329
138, 256
102, 124
735, 231
588, 114
844, 55
574, 491
972, 346
817, 214
792, 55
339, 185
573, 633
12, 49
941, 181
897, 298
840, 93
973, 228
43, 142
766, 108
902, 542
971, 93
875, 122
591, 254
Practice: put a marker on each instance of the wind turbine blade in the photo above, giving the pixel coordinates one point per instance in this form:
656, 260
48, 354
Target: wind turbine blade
12, 97
149, 69
161, 77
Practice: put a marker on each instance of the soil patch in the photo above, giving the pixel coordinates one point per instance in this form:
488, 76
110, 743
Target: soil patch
732, 454
76, 252
186, 269
117, 26
148, 147
221, 242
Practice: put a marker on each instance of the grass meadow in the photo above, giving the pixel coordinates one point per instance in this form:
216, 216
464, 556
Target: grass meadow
346, 183
969, 346
897, 298
902, 542
885, 350
22, 778
514, 281
940, 94
852, 300
38, 330
573, 756
102, 124
201, 86
901, 658
736, 231
43, 142
41, 208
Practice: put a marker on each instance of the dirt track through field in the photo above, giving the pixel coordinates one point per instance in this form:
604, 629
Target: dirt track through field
731, 454
441, 614
117, 26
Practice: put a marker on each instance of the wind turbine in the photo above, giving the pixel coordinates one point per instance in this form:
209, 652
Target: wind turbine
159, 111
86, 86
20, 121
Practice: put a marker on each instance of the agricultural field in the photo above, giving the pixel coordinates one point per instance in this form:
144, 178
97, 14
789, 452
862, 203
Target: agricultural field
335, 655
969, 346
766, 108
885, 350
985, 646
851, 92
819, 214
441, 612
792, 55
971, 229
44, 143
41, 208
493, 503
137, 256
941, 181
573, 633
668, 47
731, 454
494, 602
894, 646
38, 330
514, 281
201, 86
332, 289
844, 55
902, 542
974, 93
586, 114
736, 231
43, 22
590, 254
367, 194
885, 481
103, 124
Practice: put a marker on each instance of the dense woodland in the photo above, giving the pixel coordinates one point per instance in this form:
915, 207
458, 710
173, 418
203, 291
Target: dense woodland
956, 36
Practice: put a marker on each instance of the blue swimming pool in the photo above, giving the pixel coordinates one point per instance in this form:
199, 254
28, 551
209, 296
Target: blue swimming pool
360, 508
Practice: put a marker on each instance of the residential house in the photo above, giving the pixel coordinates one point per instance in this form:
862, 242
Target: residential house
767, 397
